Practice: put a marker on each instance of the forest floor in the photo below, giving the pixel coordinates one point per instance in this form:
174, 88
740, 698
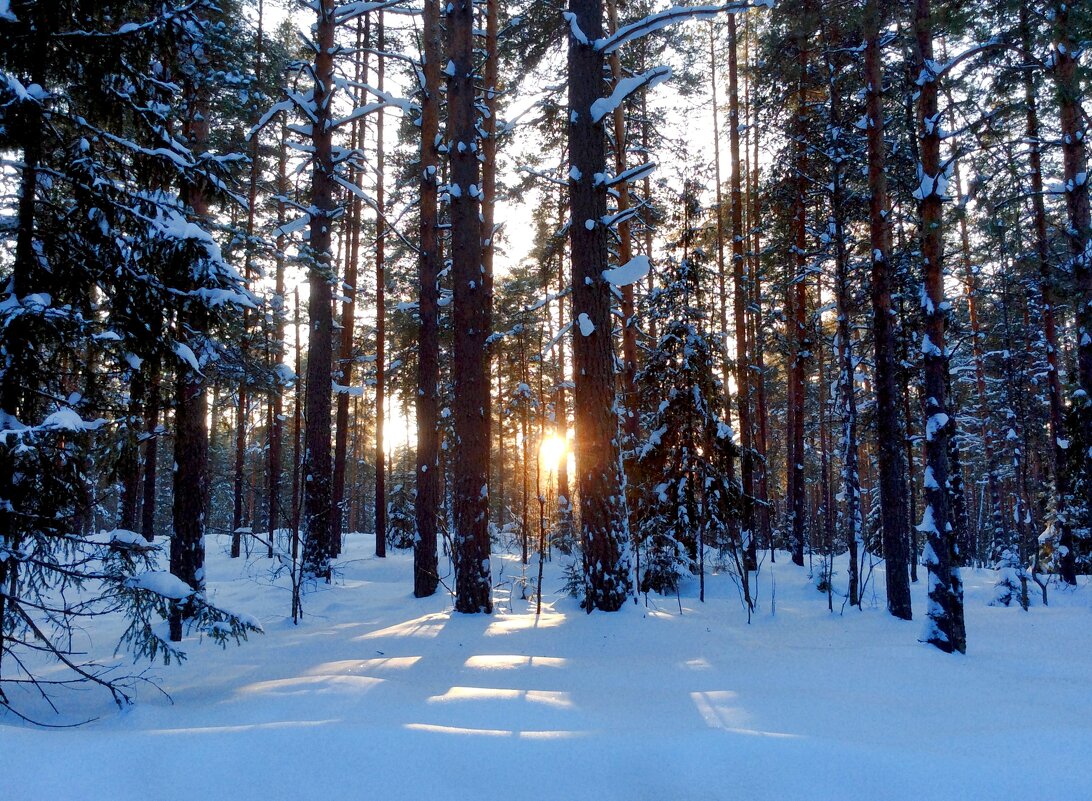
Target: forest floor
376, 695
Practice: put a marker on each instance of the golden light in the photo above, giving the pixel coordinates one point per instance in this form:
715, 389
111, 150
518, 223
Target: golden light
552, 450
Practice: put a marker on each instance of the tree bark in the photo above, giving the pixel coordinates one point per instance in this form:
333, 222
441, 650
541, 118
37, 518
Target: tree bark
1079, 234
151, 450
380, 314
191, 437
602, 505
946, 628
631, 418
742, 294
1048, 291
276, 426
796, 318
890, 432
316, 472
471, 321
348, 305
427, 509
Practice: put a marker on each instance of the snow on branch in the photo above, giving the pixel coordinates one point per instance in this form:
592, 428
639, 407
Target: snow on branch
627, 86
274, 110
386, 100
574, 26
633, 174
663, 19
629, 273
351, 11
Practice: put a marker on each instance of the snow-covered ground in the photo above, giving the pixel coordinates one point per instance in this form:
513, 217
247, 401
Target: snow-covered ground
377, 695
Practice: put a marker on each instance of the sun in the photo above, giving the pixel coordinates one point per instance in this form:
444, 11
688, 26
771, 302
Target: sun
553, 449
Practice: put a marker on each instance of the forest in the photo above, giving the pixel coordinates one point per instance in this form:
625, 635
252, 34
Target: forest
519, 309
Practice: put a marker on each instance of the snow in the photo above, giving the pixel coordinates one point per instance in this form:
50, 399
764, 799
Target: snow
69, 420
161, 583
934, 424
186, 354
574, 27
631, 272
5, 11
587, 327
643, 703
627, 86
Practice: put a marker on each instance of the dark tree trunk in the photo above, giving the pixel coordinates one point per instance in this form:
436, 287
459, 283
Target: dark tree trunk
276, 426
602, 505
761, 468
344, 374
796, 319
742, 293
471, 321
238, 482
191, 436
998, 520
1049, 293
631, 419
1079, 233
850, 512
946, 628
151, 450
191, 443
129, 458
318, 548
427, 511
890, 433
380, 315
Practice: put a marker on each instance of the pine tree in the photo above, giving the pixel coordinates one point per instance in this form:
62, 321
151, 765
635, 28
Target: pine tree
689, 498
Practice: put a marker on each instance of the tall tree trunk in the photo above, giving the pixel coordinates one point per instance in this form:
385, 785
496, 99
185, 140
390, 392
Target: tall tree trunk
985, 429
471, 323
722, 281
427, 510
380, 312
318, 548
796, 319
761, 479
241, 416
564, 497
946, 629
890, 434
850, 509
348, 306
129, 458
276, 426
742, 294
151, 449
602, 504
631, 419
1079, 233
1049, 293
191, 436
